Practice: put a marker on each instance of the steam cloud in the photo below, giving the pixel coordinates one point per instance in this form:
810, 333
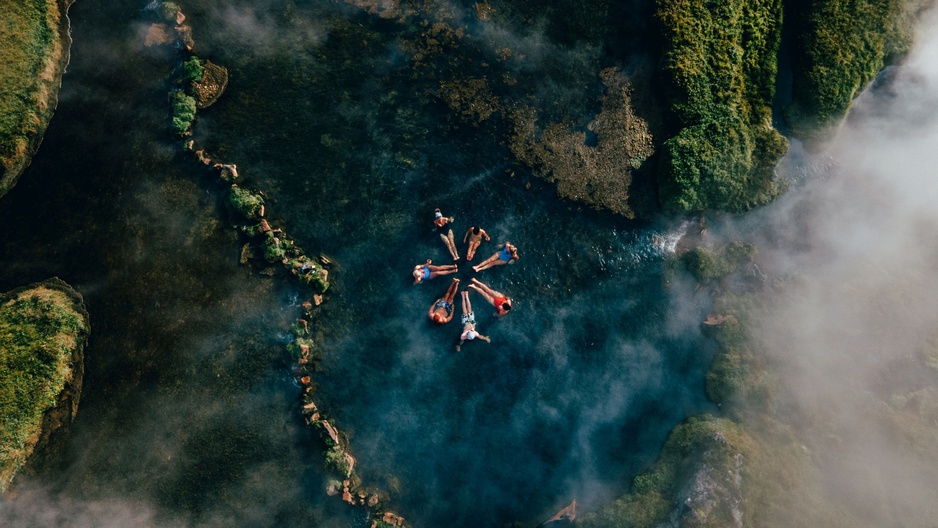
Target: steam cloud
849, 346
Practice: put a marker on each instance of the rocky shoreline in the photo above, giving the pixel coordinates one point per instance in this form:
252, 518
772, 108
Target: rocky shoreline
47, 101
36, 443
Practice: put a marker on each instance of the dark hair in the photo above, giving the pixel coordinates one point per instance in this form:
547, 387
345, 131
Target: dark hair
475, 230
506, 306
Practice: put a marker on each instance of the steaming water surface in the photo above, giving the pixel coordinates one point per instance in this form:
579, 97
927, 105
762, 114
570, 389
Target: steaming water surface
188, 415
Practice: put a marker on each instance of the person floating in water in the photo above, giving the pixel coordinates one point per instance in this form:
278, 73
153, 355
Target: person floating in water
500, 301
507, 255
475, 235
469, 331
444, 228
427, 271
442, 310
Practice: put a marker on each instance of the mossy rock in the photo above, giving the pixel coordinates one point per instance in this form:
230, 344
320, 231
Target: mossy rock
245, 202
44, 329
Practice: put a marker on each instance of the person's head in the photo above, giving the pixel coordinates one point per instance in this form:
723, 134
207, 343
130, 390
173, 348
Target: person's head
471, 334
437, 213
475, 230
418, 273
506, 305
437, 318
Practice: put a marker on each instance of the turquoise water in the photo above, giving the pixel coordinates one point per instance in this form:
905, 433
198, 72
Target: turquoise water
189, 409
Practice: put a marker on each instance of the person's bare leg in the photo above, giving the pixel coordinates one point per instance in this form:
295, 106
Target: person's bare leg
451, 292
466, 307
451, 245
492, 293
482, 285
443, 271
486, 264
471, 252
483, 293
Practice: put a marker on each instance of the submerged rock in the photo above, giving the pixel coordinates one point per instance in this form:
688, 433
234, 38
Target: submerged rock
159, 35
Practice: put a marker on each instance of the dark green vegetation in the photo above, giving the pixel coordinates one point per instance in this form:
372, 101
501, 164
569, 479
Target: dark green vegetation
192, 70
720, 62
704, 451
183, 111
709, 264
31, 53
245, 202
717, 147
168, 10
838, 48
42, 332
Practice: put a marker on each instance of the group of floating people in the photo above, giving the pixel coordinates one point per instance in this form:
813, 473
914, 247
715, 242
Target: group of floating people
442, 310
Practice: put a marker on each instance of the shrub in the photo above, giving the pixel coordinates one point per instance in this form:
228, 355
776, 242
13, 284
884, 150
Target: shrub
337, 461
168, 10
838, 51
192, 70
245, 202
707, 265
183, 111
273, 248
720, 61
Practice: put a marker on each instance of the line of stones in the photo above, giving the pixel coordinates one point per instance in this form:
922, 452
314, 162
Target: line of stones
274, 246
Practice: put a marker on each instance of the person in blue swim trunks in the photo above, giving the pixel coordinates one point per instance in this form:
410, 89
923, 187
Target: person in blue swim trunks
507, 254
424, 272
441, 312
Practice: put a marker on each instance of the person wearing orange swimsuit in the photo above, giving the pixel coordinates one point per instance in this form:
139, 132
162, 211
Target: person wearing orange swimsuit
500, 301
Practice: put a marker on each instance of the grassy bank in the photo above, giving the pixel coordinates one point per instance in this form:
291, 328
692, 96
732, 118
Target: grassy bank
42, 336
32, 56
720, 65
